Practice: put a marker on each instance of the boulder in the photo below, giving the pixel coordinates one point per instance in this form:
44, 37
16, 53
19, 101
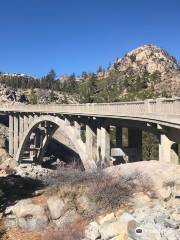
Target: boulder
33, 223
114, 229
92, 231
26, 208
125, 218
122, 236
69, 217
11, 221
108, 218
56, 207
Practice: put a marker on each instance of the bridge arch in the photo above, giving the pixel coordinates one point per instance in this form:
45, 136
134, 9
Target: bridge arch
68, 130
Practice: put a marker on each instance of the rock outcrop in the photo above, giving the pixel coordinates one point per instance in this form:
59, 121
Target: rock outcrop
153, 60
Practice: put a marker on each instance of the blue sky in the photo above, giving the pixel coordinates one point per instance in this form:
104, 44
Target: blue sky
80, 35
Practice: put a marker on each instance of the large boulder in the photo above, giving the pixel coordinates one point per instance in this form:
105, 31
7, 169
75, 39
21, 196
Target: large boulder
33, 222
113, 229
29, 216
56, 207
26, 208
92, 231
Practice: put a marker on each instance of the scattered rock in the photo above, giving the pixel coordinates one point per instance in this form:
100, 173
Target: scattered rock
92, 231
56, 207
33, 222
108, 218
69, 217
26, 208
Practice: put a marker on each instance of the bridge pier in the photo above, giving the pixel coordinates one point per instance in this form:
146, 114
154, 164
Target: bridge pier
91, 143
11, 135
77, 126
26, 122
105, 146
98, 147
16, 133
168, 150
21, 126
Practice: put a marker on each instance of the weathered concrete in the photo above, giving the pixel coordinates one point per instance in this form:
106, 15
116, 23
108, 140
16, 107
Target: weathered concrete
16, 133
91, 143
105, 146
24, 121
21, 126
98, 147
78, 129
11, 135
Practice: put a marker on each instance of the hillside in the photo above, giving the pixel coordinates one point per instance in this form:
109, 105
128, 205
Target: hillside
145, 72
152, 59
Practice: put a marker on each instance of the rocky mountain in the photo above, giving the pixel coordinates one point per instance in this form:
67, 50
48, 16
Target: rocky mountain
145, 72
151, 59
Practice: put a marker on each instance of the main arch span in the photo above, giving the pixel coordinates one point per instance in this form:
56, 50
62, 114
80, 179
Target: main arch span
32, 126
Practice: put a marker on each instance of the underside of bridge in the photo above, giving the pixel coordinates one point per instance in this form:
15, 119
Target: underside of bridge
30, 134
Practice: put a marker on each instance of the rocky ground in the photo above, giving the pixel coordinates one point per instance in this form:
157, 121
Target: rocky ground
9, 95
137, 201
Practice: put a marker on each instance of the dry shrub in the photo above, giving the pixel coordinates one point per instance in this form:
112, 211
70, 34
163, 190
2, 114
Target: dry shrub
105, 191
110, 193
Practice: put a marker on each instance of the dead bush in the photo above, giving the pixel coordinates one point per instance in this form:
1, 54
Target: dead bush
105, 191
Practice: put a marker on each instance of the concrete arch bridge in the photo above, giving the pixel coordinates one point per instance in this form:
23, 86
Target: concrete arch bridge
32, 126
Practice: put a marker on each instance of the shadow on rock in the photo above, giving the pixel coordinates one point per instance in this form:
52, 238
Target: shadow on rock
14, 187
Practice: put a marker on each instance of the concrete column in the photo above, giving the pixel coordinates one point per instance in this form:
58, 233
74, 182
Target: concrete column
37, 137
26, 122
11, 135
21, 126
90, 143
99, 154
105, 146
16, 134
30, 119
135, 141
32, 145
67, 122
168, 150
118, 137
78, 129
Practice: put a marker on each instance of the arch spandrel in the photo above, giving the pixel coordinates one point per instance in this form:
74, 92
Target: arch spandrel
69, 131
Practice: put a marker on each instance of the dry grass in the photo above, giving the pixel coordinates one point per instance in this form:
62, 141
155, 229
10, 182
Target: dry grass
106, 192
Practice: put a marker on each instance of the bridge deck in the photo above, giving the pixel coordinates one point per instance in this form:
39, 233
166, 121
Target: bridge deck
161, 111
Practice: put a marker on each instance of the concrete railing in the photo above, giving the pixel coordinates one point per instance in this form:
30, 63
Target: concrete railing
159, 106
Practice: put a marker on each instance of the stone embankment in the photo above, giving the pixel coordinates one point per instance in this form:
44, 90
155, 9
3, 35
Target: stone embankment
138, 201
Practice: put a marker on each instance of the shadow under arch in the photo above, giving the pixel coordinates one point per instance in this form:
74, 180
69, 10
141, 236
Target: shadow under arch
69, 131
